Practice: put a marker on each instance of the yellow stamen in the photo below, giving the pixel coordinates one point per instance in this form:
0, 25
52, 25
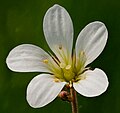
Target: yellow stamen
82, 53
68, 67
62, 65
60, 46
56, 80
45, 61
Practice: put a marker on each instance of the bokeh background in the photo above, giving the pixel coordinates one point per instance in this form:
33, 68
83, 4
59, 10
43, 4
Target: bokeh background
21, 22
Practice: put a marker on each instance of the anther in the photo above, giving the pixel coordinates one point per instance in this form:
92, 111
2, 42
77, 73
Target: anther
56, 80
68, 67
62, 65
45, 61
60, 46
82, 53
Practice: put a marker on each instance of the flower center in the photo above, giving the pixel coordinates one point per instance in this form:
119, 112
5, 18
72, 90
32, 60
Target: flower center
67, 72
73, 71
70, 70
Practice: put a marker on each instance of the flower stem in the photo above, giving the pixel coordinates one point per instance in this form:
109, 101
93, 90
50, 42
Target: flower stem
74, 103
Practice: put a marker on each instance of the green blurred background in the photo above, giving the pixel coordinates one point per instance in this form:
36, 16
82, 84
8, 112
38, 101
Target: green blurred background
21, 22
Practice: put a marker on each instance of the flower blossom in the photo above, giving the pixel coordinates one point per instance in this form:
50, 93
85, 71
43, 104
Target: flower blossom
64, 66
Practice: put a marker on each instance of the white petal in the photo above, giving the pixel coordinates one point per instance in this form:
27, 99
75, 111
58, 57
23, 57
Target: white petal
27, 58
42, 90
95, 83
58, 30
92, 40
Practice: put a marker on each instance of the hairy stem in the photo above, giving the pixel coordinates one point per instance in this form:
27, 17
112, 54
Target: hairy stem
74, 102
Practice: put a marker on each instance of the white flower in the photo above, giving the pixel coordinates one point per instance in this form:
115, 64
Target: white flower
65, 66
